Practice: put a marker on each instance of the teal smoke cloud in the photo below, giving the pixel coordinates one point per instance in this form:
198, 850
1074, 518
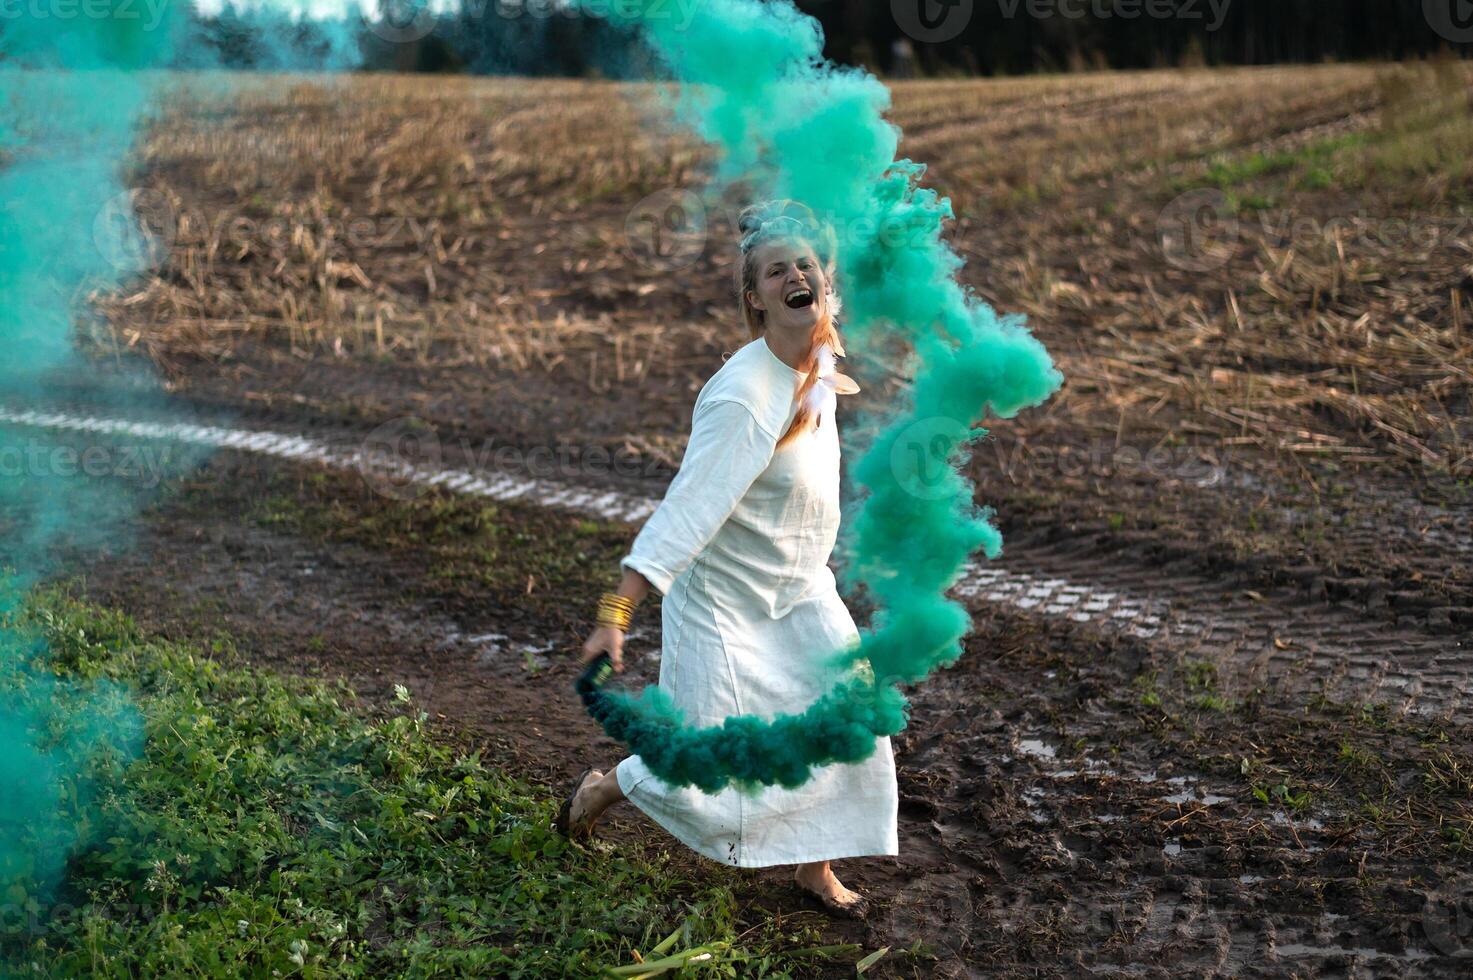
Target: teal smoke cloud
751, 79
76, 87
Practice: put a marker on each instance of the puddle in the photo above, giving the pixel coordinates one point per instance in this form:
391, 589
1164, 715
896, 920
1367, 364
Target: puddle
1037, 748
1032, 797
1291, 950
1282, 819
533, 655
1189, 794
494, 648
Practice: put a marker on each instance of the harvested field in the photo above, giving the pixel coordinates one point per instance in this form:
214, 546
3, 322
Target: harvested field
1214, 714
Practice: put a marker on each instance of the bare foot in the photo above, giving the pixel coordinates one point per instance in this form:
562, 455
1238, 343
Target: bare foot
575, 818
581, 817
819, 879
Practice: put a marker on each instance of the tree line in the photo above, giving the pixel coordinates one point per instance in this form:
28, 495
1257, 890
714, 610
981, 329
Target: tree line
896, 37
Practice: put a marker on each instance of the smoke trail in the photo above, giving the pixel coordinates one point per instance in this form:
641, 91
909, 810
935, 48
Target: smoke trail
71, 99
75, 90
753, 81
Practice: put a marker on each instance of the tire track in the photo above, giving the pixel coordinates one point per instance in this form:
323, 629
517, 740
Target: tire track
1266, 639
1273, 641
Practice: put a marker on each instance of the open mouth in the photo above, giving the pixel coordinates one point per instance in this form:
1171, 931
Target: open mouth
799, 299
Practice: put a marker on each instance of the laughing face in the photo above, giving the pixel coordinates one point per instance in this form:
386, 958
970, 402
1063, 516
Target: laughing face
790, 285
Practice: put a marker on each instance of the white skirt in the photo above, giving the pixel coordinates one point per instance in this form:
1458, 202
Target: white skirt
721, 659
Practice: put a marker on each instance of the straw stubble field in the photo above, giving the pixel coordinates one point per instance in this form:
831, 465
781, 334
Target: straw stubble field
1256, 282
482, 229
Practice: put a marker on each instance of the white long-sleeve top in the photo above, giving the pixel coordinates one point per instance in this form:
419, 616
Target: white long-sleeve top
739, 548
764, 522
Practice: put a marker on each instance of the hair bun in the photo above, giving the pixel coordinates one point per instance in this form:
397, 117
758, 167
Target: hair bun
756, 221
751, 218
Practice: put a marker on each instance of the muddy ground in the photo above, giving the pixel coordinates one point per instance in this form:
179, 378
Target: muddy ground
1073, 798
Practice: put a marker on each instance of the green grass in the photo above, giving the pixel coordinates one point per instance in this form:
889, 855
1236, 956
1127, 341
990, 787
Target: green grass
268, 828
1282, 794
1421, 136
1443, 146
1148, 692
1316, 166
1230, 173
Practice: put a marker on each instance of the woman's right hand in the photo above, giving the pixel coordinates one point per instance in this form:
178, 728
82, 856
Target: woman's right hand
608, 640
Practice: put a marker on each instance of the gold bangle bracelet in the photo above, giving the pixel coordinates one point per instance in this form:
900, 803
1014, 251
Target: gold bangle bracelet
616, 603
615, 611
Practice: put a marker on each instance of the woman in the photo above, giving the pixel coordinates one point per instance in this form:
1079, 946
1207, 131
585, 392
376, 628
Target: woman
739, 549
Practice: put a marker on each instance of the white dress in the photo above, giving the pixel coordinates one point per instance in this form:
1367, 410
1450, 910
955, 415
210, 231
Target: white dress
739, 549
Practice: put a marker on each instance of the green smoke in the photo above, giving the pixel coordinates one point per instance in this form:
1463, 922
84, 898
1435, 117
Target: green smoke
75, 89
70, 98
752, 80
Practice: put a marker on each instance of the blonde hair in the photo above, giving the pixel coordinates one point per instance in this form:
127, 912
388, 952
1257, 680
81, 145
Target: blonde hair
790, 220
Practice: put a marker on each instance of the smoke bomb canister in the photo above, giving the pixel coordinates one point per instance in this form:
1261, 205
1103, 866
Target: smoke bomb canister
594, 677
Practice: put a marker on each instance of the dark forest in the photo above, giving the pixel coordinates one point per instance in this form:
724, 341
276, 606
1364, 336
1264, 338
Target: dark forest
903, 37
